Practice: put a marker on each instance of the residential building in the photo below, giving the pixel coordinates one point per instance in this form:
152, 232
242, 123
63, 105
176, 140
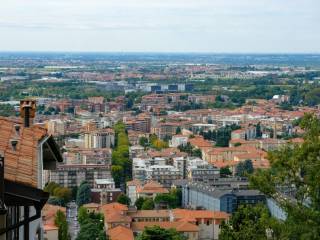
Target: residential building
178, 140
196, 194
203, 173
194, 224
26, 150
104, 191
48, 213
56, 127
140, 123
120, 233
103, 138
71, 175
151, 189
164, 174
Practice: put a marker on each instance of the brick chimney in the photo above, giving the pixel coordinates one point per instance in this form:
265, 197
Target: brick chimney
27, 111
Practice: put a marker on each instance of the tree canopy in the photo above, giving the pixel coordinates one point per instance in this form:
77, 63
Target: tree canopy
123, 199
91, 225
83, 194
61, 222
121, 163
157, 233
244, 168
250, 223
293, 181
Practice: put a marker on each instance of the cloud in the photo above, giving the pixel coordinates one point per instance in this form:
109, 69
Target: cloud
218, 25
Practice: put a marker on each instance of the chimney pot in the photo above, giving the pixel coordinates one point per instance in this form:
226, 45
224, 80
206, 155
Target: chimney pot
27, 111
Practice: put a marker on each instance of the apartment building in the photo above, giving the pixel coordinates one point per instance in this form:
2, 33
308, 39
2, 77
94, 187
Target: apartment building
71, 175
56, 127
205, 173
140, 123
164, 174
104, 191
178, 140
248, 133
103, 138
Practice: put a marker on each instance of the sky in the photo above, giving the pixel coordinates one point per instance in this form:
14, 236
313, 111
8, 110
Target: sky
217, 26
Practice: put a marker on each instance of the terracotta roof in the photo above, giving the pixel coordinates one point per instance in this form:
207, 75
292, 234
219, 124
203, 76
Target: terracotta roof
49, 212
91, 205
184, 213
239, 131
113, 207
199, 142
221, 164
296, 140
179, 226
117, 217
151, 213
120, 233
21, 161
21, 165
134, 182
152, 187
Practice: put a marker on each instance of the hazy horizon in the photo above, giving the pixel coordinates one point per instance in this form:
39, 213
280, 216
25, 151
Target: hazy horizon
161, 26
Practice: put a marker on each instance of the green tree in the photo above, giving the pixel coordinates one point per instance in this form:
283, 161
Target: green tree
84, 194
123, 199
258, 130
7, 110
121, 163
139, 202
157, 233
74, 191
82, 215
296, 169
197, 153
117, 174
244, 168
91, 225
178, 130
56, 201
148, 204
63, 193
50, 187
225, 171
250, 223
172, 199
143, 141
61, 222
90, 230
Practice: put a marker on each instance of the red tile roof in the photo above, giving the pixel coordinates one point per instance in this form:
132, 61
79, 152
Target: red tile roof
120, 233
21, 164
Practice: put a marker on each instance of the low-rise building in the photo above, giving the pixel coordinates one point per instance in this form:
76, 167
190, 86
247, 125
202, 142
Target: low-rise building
151, 189
195, 195
193, 224
48, 213
178, 140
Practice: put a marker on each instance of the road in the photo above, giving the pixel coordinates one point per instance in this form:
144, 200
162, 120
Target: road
73, 224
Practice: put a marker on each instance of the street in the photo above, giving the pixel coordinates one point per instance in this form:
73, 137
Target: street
73, 225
